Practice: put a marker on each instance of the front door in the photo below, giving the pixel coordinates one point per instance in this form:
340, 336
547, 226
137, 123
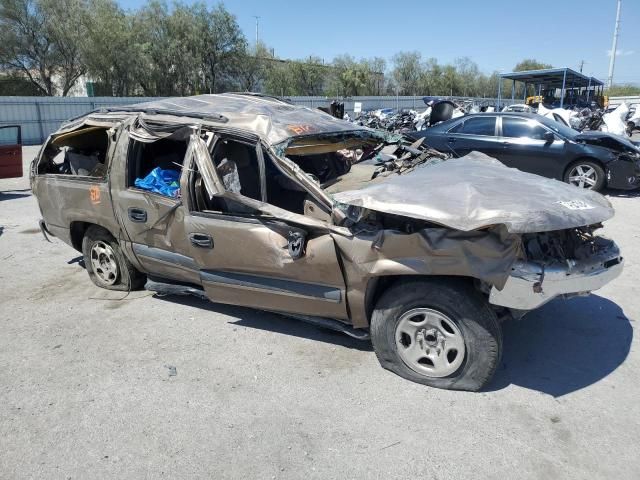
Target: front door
10, 152
267, 261
526, 148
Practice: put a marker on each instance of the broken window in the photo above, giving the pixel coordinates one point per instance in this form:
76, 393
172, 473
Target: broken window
81, 152
164, 156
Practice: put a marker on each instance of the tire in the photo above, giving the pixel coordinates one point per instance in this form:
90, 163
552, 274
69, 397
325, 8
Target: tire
456, 307
106, 264
592, 176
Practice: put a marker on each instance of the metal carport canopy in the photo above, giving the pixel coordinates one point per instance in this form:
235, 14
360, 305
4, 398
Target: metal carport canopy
553, 78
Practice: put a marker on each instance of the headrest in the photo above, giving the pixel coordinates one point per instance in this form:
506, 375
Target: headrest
237, 152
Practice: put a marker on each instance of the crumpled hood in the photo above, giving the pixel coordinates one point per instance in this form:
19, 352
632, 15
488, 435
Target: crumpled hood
624, 141
477, 191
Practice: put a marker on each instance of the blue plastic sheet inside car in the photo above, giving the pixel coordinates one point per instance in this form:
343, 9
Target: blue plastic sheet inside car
163, 182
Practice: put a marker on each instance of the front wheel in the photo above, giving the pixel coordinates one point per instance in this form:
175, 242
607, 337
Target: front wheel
439, 332
585, 174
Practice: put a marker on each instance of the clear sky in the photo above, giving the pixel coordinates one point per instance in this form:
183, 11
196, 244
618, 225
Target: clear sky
495, 34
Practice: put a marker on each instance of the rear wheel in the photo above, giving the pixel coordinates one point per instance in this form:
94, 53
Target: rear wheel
585, 174
106, 264
438, 332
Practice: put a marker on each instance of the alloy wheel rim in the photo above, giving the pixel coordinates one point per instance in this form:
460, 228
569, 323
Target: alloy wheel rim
583, 176
429, 342
103, 262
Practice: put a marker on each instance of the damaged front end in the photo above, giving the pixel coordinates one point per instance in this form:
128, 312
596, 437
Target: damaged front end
525, 239
623, 169
554, 264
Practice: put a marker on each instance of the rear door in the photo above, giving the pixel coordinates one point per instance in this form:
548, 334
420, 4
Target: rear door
266, 261
524, 147
474, 133
10, 151
151, 220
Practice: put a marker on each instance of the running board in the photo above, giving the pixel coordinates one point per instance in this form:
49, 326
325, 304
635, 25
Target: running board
331, 324
178, 288
174, 288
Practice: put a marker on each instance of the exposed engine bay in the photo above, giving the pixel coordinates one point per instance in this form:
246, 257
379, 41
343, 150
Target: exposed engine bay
564, 246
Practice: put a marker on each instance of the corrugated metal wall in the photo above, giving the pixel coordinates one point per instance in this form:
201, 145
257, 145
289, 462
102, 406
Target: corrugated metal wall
40, 116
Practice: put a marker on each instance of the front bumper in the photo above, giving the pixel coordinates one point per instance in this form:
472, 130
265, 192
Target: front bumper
623, 174
530, 286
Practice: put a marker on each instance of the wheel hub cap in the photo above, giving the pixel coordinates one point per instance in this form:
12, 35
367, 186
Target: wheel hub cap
103, 262
429, 342
583, 176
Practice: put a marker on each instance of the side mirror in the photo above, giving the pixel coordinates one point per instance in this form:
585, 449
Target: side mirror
549, 137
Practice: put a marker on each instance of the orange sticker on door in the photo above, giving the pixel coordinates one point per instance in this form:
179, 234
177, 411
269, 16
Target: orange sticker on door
94, 194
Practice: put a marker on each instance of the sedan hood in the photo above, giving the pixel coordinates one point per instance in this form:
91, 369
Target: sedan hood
608, 140
477, 191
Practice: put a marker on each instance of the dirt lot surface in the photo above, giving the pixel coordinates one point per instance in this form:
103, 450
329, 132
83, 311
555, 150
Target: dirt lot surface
94, 385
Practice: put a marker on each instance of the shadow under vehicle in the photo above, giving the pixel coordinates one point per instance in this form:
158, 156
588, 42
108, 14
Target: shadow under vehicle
247, 200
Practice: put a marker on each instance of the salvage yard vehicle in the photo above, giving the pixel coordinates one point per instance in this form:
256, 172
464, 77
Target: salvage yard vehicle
536, 144
10, 151
248, 200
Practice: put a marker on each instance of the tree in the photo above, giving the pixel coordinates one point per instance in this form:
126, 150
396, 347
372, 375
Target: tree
530, 64
112, 53
15, 84
376, 67
623, 90
308, 76
406, 72
223, 44
252, 68
42, 40
278, 79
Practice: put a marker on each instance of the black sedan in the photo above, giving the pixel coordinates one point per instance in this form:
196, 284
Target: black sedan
536, 144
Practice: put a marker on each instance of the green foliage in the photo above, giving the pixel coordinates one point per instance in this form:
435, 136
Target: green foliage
185, 49
530, 64
623, 90
15, 85
42, 41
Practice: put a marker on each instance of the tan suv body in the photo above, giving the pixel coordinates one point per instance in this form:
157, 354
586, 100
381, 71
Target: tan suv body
287, 209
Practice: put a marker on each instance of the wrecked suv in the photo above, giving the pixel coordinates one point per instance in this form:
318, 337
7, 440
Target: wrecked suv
249, 200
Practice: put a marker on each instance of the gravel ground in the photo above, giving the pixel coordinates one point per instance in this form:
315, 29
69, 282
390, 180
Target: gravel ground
94, 385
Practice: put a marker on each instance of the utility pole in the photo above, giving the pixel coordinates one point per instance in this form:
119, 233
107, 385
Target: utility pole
257, 21
581, 65
614, 48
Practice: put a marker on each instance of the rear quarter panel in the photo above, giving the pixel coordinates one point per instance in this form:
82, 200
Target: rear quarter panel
64, 200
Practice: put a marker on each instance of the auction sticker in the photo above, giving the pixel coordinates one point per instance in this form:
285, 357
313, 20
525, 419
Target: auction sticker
575, 204
94, 194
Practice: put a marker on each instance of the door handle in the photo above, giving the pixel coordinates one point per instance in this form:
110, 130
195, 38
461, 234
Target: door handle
451, 140
137, 215
201, 240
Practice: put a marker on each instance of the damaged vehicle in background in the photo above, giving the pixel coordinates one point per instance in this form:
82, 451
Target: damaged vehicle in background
248, 200
537, 144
